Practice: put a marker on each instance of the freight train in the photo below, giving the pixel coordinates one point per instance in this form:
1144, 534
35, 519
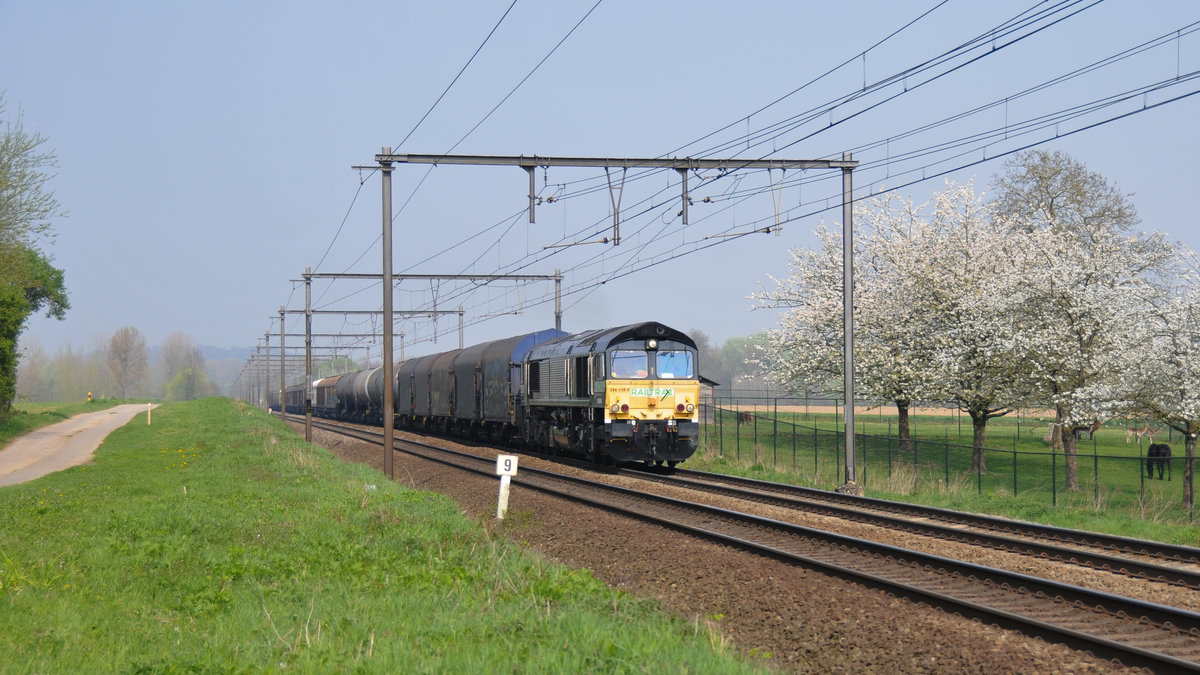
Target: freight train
626, 394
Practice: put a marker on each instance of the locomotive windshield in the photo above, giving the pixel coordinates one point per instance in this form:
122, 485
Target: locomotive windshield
628, 364
636, 364
672, 364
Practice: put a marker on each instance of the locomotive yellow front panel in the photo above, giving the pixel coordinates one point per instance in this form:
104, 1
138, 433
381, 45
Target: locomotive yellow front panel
651, 400
652, 419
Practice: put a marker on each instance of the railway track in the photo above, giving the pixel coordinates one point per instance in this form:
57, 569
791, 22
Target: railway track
1154, 561
1135, 632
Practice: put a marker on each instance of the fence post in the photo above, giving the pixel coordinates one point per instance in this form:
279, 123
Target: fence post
889, 448
1189, 473
737, 434
720, 432
916, 443
793, 444
947, 463
775, 436
862, 458
839, 437
1053, 478
1014, 472
756, 433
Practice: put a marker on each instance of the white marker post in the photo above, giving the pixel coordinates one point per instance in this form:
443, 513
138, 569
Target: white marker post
506, 468
148, 407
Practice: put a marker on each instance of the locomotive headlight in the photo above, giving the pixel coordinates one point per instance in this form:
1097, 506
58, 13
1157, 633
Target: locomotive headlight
651, 344
616, 407
691, 408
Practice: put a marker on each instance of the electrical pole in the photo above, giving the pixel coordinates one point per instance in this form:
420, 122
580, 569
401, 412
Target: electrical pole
388, 394
851, 486
282, 365
308, 378
267, 372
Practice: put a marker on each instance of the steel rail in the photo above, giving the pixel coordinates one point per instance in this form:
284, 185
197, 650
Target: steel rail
1063, 611
1128, 545
1022, 540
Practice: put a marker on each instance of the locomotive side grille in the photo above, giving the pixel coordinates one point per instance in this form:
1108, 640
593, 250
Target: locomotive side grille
556, 378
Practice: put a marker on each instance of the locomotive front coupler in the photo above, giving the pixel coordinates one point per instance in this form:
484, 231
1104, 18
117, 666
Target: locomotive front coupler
652, 440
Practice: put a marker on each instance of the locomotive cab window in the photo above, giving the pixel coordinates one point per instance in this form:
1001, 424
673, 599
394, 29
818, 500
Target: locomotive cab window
673, 364
630, 364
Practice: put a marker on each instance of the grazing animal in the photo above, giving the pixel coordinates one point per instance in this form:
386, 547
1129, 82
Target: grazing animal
1049, 434
1144, 430
1159, 455
1090, 430
745, 418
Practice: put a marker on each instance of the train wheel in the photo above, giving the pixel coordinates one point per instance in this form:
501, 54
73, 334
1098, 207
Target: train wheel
671, 463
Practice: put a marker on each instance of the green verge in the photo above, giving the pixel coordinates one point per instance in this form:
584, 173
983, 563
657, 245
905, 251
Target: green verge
1113, 496
217, 540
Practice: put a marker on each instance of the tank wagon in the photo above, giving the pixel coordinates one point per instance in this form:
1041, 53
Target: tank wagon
626, 394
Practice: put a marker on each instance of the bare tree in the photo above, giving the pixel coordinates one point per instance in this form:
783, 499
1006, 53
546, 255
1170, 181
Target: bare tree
33, 376
128, 359
178, 353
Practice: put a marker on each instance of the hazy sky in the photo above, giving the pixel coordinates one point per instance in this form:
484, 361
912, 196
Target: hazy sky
205, 148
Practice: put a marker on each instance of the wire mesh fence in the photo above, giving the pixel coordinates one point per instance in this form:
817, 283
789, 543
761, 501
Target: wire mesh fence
787, 435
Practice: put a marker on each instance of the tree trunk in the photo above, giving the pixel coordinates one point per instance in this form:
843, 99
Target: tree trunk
1056, 441
903, 430
978, 431
1066, 436
1071, 463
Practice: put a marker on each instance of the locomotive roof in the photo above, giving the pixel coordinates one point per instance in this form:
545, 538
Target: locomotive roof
603, 338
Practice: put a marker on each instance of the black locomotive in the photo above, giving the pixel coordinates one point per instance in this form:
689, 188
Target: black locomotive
627, 394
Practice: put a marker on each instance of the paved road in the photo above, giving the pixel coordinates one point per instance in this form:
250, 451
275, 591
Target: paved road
69, 443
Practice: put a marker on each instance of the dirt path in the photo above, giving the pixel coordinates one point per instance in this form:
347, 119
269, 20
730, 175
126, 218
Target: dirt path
60, 446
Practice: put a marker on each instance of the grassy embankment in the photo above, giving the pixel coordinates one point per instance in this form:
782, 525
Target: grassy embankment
1023, 479
218, 540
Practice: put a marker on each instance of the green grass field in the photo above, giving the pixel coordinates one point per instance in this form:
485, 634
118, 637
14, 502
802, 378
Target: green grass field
217, 540
1023, 478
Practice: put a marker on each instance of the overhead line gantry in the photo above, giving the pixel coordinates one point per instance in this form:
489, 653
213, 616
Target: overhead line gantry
386, 160
680, 164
